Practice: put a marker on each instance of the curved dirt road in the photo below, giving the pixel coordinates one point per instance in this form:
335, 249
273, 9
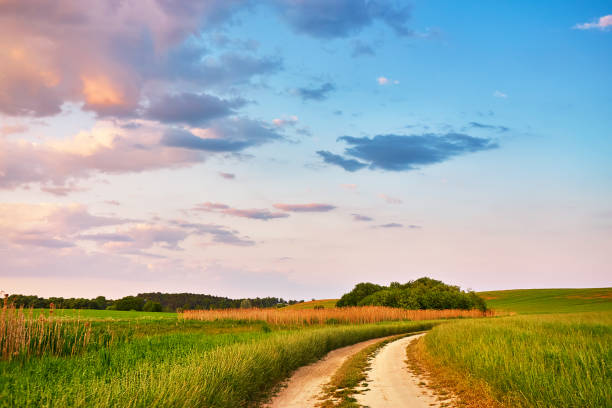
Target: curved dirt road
391, 385
305, 385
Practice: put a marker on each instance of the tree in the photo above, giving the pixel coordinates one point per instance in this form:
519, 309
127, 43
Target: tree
151, 306
245, 304
130, 303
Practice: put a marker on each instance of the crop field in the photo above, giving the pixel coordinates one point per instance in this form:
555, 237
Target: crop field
550, 300
352, 315
325, 303
552, 360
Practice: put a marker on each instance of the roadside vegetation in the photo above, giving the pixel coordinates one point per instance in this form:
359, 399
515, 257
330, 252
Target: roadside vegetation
555, 360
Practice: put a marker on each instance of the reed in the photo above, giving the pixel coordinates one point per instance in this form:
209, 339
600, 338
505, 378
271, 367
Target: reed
23, 335
350, 315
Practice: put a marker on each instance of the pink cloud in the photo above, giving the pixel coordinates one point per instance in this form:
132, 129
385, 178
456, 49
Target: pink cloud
12, 129
285, 121
257, 214
104, 149
228, 176
603, 23
390, 200
53, 52
311, 207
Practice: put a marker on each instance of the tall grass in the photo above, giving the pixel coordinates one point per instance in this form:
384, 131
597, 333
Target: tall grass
23, 335
352, 315
180, 370
533, 361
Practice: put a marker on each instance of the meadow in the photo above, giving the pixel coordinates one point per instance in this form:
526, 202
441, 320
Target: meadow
161, 360
235, 357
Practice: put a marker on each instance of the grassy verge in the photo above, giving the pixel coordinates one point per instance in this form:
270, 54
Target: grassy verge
179, 369
531, 361
448, 383
342, 386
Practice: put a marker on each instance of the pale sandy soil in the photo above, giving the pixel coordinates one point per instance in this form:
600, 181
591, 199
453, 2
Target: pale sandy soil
306, 384
391, 385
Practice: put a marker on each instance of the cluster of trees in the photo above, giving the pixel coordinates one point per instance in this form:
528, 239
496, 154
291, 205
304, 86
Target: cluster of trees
59, 302
423, 293
190, 301
149, 302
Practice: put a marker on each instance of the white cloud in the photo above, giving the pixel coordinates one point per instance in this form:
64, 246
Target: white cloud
386, 81
603, 23
500, 94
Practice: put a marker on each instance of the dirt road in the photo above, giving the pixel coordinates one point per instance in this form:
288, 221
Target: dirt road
305, 385
391, 385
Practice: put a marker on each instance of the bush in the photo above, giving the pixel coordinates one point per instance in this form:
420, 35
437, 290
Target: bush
423, 293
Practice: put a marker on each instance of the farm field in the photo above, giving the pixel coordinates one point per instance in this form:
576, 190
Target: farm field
550, 300
326, 303
524, 300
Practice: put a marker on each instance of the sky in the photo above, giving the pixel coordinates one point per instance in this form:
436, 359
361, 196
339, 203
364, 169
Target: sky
293, 148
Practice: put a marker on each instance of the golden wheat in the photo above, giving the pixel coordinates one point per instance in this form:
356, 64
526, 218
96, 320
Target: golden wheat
354, 315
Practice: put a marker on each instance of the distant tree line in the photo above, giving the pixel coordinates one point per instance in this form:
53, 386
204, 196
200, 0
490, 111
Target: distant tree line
423, 293
149, 302
190, 301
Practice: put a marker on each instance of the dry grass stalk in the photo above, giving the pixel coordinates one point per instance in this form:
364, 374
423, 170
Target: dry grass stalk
23, 335
354, 315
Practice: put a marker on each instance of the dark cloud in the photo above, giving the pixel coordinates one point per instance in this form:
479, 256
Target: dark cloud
228, 176
360, 48
225, 70
311, 207
61, 191
477, 125
191, 108
43, 242
255, 214
228, 136
359, 217
105, 237
341, 18
316, 94
401, 152
347, 164
397, 225
220, 234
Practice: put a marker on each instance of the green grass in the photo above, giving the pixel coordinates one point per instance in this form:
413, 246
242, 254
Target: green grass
550, 300
326, 303
91, 314
178, 368
560, 360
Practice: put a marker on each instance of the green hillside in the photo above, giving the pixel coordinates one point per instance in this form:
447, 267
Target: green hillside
326, 303
550, 300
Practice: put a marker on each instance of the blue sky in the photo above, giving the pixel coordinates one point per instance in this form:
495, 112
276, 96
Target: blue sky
293, 148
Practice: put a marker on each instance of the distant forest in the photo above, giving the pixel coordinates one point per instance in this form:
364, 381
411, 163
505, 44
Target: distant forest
153, 302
